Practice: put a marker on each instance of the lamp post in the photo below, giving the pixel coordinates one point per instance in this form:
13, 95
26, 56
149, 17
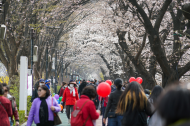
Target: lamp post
55, 87
49, 27
47, 62
32, 45
2, 18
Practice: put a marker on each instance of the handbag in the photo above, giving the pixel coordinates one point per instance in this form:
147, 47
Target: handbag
111, 115
57, 119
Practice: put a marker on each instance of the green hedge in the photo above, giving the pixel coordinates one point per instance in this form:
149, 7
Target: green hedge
21, 116
29, 104
58, 87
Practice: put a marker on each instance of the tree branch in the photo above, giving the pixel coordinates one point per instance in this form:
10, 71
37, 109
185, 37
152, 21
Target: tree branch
183, 70
161, 14
7, 51
143, 45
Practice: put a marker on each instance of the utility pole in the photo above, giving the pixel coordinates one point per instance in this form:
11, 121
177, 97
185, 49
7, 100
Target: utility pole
55, 87
61, 69
32, 44
66, 72
32, 53
47, 62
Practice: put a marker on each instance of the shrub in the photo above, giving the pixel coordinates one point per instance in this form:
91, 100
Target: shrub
29, 104
58, 87
14, 88
21, 116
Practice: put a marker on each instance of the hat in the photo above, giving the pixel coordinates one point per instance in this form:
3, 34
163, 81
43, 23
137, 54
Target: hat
91, 80
47, 81
41, 80
72, 82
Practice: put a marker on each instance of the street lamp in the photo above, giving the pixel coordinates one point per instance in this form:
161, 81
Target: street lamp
2, 31
47, 55
35, 55
2, 26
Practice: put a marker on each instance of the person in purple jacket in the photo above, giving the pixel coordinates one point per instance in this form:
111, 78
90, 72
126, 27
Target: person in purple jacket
43, 108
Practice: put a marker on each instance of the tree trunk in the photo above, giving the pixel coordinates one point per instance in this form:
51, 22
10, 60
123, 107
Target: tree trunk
12, 67
149, 80
170, 79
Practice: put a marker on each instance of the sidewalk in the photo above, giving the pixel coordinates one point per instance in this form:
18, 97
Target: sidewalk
65, 120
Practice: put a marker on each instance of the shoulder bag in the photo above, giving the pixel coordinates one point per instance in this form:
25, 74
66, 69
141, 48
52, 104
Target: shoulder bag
57, 119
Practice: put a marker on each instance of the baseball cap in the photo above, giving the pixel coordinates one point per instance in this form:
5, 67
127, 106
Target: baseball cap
41, 81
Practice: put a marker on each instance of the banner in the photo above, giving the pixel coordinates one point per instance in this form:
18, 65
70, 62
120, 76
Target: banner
30, 85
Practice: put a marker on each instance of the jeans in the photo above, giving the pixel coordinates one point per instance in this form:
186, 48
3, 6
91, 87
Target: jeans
11, 123
69, 109
103, 111
115, 121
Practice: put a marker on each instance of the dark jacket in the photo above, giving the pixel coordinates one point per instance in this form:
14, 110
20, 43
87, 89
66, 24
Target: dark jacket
112, 102
81, 87
136, 117
35, 91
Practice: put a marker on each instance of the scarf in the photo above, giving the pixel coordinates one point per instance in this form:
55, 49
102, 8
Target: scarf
72, 90
43, 114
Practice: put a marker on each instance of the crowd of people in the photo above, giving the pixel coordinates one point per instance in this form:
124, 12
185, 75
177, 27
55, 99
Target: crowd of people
127, 105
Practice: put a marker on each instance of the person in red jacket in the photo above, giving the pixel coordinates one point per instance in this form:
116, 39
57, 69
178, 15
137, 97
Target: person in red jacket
61, 91
89, 111
13, 103
5, 109
71, 96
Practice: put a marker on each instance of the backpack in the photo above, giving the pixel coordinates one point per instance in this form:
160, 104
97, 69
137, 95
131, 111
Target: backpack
77, 116
12, 100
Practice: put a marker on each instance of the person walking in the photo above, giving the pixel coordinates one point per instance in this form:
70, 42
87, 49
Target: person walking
173, 105
13, 104
64, 85
47, 83
82, 86
62, 89
134, 106
5, 108
113, 118
43, 108
70, 95
35, 89
103, 107
153, 98
96, 100
85, 102
155, 119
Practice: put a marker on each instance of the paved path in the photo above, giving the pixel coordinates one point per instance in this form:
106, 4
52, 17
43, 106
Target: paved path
65, 120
